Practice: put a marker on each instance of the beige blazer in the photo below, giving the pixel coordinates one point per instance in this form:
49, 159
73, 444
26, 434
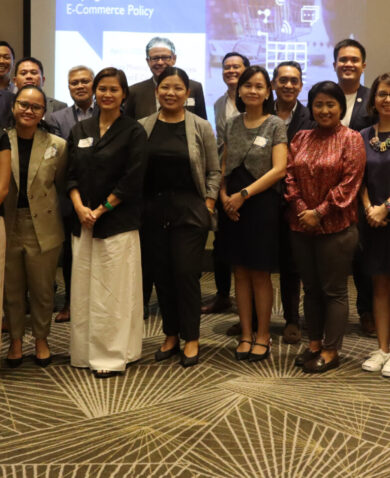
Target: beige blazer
46, 175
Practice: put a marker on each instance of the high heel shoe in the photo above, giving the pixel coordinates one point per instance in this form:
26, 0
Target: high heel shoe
257, 357
242, 355
15, 362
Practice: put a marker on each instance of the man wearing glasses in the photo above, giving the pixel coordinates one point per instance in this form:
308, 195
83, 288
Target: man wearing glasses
160, 53
29, 71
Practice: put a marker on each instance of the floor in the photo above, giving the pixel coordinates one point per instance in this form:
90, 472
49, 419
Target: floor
222, 418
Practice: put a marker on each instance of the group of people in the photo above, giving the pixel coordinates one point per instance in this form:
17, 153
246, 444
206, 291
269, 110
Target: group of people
133, 178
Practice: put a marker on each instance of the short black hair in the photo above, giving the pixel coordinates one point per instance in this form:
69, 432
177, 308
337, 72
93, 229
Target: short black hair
30, 87
32, 60
174, 71
112, 72
5, 43
385, 77
292, 63
327, 88
234, 53
349, 42
268, 105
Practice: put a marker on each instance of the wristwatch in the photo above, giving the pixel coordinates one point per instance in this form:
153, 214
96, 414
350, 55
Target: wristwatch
244, 193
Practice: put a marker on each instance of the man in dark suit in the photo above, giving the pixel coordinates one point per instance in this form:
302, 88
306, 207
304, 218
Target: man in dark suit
349, 64
287, 84
233, 65
80, 80
7, 60
29, 71
160, 53
6, 99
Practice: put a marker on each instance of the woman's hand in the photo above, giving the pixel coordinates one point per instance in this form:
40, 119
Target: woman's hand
309, 219
232, 205
377, 216
86, 216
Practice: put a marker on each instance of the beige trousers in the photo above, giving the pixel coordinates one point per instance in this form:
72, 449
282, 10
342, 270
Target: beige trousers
106, 303
27, 268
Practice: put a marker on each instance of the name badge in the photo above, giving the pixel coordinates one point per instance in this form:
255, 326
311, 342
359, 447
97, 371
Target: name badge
190, 102
50, 152
85, 142
260, 141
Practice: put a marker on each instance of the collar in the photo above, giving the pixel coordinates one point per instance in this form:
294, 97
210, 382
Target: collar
288, 120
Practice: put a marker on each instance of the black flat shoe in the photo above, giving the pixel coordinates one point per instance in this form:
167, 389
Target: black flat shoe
105, 373
189, 361
305, 356
258, 357
318, 365
160, 355
42, 362
242, 355
15, 362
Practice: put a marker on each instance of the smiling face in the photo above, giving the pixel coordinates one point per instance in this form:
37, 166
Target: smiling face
254, 91
326, 111
349, 65
287, 85
80, 87
172, 93
233, 68
160, 58
109, 94
29, 109
382, 100
6, 61
28, 74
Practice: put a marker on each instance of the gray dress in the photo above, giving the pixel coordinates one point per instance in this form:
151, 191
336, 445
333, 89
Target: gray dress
252, 242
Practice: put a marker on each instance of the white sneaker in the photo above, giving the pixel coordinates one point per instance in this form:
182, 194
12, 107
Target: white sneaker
386, 369
376, 361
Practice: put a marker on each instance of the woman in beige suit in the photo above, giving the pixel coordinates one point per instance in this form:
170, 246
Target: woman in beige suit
33, 224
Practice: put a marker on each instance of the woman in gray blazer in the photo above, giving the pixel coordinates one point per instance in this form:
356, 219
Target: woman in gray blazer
33, 224
181, 186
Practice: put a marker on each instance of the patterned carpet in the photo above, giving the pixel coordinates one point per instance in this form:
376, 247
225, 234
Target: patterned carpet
220, 419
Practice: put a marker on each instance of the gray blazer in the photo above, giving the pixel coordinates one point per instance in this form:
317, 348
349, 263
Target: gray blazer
142, 99
62, 121
220, 119
54, 105
46, 173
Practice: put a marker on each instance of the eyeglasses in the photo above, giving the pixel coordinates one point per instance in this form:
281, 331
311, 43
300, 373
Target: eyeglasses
155, 59
25, 105
84, 81
382, 95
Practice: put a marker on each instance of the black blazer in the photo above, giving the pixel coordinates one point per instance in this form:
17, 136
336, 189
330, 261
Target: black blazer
300, 120
6, 100
114, 164
142, 100
360, 118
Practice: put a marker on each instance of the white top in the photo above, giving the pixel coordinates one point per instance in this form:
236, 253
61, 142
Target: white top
350, 104
231, 108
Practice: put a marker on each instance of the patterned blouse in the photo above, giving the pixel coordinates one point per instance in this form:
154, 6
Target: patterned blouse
325, 169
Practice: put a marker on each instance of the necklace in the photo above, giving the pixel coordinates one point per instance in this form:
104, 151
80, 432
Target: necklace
378, 145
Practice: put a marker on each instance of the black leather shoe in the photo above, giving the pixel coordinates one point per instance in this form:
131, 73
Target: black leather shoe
234, 329
291, 333
305, 356
42, 362
15, 362
220, 304
189, 361
106, 373
318, 365
160, 355
242, 355
257, 357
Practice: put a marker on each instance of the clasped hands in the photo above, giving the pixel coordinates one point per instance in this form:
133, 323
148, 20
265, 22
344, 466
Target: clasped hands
231, 205
309, 219
87, 216
376, 216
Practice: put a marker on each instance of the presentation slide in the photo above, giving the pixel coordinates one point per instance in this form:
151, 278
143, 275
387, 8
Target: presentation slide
101, 33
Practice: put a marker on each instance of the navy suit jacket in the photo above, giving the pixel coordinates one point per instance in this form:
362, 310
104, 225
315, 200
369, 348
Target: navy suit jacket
360, 118
300, 120
142, 100
6, 99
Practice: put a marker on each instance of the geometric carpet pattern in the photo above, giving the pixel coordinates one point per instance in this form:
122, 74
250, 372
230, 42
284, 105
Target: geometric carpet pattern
222, 418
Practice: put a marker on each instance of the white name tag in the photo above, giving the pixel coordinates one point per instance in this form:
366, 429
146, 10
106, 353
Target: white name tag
85, 142
190, 102
260, 141
50, 152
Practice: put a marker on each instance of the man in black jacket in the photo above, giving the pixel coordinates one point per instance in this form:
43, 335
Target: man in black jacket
287, 84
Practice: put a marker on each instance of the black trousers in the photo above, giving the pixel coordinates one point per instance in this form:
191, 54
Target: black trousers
174, 252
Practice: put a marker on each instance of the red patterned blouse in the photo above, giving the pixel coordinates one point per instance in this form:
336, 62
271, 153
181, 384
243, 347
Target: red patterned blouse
324, 172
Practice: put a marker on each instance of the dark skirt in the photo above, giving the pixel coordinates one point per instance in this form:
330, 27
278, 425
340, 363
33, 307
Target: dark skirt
252, 242
376, 249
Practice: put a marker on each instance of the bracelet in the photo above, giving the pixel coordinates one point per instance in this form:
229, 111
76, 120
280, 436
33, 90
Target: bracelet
211, 211
109, 206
